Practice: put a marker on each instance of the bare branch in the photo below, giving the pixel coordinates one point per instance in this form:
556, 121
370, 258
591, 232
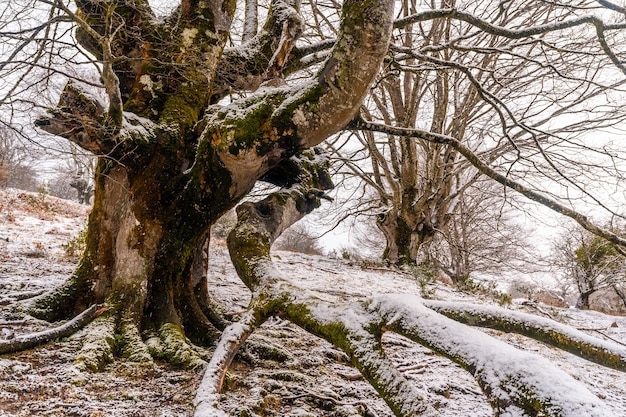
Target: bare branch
581, 219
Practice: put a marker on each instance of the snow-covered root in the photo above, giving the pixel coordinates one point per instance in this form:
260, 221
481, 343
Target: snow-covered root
206, 403
515, 382
32, 340
593, 349
116, 333
98, 344
367, 354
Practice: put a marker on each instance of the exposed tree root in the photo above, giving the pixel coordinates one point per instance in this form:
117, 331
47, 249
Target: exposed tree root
206, 402
515, 382
10, 298
29, 341
600, 351
59, 303
117, 333
174, 347
511, 379
131, 346
99, 344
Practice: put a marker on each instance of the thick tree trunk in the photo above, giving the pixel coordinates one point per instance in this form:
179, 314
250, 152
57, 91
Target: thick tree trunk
174, 164
404, 242
142, 259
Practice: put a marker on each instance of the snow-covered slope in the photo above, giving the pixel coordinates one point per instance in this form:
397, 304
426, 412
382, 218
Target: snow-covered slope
282, 370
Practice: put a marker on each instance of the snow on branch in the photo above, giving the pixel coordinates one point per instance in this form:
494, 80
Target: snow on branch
82, 119
514, 381
500, 30
207, 398
247, 66
549, 331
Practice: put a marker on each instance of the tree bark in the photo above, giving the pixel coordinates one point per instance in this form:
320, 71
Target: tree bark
406, 239
171, 163
582, 302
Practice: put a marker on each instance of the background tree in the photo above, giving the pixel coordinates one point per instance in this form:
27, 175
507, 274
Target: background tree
75, 178
515, 100
484, 238
592, 264
16, 163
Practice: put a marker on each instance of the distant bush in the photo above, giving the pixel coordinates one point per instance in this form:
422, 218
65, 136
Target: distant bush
18, 176
4, 173
224, 225
484, 288
299, 238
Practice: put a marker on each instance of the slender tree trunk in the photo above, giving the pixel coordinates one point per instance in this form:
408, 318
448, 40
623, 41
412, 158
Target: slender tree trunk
583, 301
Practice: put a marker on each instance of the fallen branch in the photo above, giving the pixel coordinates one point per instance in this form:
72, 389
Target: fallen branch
32, 340
601, 332
534, 305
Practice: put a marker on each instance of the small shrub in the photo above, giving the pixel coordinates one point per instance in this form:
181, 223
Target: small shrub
38, 251
426, 277
76, 245
486, 288
38, 201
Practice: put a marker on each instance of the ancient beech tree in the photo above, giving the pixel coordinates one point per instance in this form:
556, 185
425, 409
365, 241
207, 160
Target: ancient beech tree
171, 163
187, 128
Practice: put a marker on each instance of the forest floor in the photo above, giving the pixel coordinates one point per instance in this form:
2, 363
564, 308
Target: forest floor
282, 370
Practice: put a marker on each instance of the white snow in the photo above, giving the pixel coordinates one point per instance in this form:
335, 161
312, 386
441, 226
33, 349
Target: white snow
43, 381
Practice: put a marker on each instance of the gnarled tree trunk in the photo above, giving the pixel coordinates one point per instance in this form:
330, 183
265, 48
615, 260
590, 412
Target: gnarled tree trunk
171, 162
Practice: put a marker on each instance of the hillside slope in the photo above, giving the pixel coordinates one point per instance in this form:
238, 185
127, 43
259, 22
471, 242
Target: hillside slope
282, 370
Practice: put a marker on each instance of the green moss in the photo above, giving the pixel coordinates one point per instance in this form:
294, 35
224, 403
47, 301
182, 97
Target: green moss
176, 349
61, 303
99, 344
262, 128
264, 348
183, 109
131, 346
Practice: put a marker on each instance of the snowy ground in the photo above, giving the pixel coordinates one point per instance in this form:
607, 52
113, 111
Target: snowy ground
282, 370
